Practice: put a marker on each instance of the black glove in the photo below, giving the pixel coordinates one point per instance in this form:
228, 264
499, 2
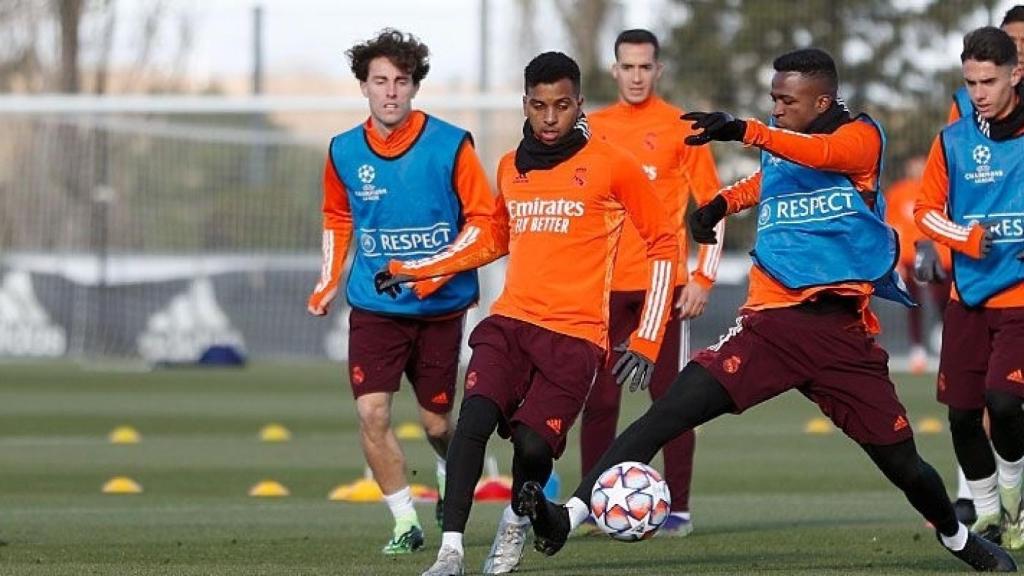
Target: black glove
927, 267
716, 126
387, 283
987, 242
702, 221
633, 367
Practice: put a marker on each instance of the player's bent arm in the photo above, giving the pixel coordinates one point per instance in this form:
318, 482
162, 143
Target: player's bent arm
930, 208
633, 190
337, 235
852, 149
743, 194
477, 203
477, 244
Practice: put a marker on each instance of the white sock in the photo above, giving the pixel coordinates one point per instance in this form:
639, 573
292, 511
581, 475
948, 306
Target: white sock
962, 491
1009, 472
400, 504
510, 517
452, 540
578, 512
986, 496
957, 541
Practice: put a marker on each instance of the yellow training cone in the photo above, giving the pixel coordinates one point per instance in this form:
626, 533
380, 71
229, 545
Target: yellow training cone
124, 435
275, 433
818, 425
929, 426
410, 431
364, 490
268, 489
122, 485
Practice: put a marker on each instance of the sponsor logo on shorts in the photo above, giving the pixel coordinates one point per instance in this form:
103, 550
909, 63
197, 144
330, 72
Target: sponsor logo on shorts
900, 423
357, 375
1016, 376
441, 398
471, 380
731, 365
555, 424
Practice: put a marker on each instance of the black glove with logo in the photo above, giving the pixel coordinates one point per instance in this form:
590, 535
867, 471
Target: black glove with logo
387, 283
702, 221
927, 267
719, 126
634, 368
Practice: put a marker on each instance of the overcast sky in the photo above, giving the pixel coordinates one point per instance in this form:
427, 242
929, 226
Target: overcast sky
312, 35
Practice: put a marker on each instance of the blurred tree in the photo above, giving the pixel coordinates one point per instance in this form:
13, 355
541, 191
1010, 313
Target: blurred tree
584, 21
891, 59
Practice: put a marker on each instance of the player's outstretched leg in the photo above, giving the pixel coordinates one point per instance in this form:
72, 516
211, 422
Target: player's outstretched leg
924, 489
694, 398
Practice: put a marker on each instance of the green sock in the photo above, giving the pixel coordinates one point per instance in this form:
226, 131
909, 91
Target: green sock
404, 523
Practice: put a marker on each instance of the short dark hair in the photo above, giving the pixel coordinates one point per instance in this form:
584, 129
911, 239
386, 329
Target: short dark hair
811, 62
404, 51
637, 36
1015, 14
989, 44
550, 67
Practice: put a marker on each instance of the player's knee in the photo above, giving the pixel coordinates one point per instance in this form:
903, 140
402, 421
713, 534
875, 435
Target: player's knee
1002, 405
437, 428
900, 463
530, 447
965, 422
374, 419
478, 417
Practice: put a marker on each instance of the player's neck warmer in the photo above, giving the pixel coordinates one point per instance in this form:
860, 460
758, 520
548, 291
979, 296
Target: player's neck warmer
532, 154
1000, 130
831, 119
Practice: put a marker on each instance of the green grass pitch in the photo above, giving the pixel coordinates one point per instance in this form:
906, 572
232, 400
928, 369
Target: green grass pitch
767, 499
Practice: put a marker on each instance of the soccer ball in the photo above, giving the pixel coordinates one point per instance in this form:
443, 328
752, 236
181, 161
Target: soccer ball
630, 501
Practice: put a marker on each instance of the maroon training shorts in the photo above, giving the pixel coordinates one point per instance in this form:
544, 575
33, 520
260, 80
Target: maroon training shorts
537, 377
827, 355
381, 348
982, 349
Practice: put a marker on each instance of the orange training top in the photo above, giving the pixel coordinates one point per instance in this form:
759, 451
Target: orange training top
560, 228
470, 184
930, 215
899, 213
853, 149
653, 132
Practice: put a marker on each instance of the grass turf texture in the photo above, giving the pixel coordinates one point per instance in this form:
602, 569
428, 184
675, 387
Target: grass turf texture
767, 499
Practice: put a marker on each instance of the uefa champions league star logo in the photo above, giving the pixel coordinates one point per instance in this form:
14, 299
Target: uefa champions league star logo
366, 173
982, 155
